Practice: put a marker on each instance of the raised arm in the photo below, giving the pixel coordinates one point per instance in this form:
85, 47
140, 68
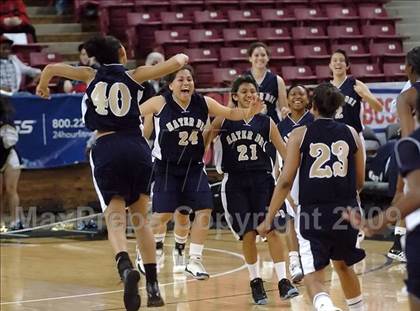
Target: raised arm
148, 126
282, 98
152, 106
144, 73
276, 139
367, 96
234, 114
85, 74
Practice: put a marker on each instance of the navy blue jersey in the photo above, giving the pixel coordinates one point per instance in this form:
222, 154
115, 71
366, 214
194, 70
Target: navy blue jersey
287, 125
327, 169
269, 94
350, 113
179, 132
111, 100
244, 144
408, 153
416, 85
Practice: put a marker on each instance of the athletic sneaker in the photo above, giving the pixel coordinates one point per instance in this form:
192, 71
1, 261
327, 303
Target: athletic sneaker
287, 290
160, 258
132, 299
178, 257
295, 271
196, 269
397, 254
139, 262
327, 308
258, 292
154, 299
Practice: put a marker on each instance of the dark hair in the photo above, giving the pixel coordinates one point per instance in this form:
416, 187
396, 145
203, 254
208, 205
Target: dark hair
346, 57
418, 106
171, 77
413, 59
80, 47
238, 82
326, 99
297, 85
104, 49
255, 45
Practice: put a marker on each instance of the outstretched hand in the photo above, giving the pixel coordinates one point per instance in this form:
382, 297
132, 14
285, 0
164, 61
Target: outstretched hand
255, 107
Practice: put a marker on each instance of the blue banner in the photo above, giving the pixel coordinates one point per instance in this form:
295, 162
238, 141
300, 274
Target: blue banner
51, 132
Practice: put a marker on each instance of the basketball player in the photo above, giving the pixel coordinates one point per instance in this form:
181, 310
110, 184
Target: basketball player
120, 158
248, 184
298, 101
330, 160
407, 152
180, 182
406, 110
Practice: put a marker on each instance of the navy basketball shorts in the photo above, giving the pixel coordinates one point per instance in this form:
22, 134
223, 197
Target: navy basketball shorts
412, 251
186, 192
245, 197
121, 166
323, 235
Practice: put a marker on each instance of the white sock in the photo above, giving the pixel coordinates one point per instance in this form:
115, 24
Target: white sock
355, 304
322, 299
196, 250
280, 268
254, 271
400, 230
160, 237
293, 257
181, 239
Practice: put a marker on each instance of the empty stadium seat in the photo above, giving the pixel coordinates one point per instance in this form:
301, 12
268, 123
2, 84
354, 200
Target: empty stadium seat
294, 74
378, 32
224, 76
395, 71
367, 72
206, 38
176, 20
387, 52
257, 4
309, 33
277, 17
203, 61
310, 16
113, 17
152, 6
222, 5
337, 33
323, 73
141, 26
210, 19
239, 36
311, 54
41, 59
234, 57
373, 12
356, 51
281, 54
187, 6
274, 34
340, 13
173, 41
243, 18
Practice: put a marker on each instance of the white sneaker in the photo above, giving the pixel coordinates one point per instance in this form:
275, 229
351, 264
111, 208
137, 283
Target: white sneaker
360, 238
178, 257
139, 262
196, 269
295, 271
328, 308
160, 259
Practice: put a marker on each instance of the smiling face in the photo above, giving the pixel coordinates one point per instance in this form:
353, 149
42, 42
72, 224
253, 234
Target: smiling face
259, 58
182, 86
298, 99
338, 64
247, 93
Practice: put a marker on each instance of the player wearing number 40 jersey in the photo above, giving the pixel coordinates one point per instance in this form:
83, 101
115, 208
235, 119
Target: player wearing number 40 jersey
329, 159
248, 183
120, 158
180, 182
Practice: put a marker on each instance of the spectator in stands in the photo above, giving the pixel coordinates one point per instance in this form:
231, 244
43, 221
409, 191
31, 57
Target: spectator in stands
12, 69
67, 86
13, 18
155, 58
9, 166
61, 6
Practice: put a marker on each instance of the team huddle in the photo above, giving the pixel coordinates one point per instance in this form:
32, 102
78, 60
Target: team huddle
288, 150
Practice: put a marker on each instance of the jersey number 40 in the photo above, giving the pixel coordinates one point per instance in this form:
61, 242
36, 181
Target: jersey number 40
118, 100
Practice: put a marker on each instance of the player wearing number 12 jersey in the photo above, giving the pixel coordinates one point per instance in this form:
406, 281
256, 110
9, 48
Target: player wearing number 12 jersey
330, 161
120, 158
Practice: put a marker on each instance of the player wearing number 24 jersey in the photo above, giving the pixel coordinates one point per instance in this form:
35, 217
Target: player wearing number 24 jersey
120, 158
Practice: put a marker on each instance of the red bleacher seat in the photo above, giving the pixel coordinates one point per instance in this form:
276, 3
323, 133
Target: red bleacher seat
281, 54
152, 6
342, 13
311, 54
395, 71
189, 6
235, 58
203, 61
309, 33
141, 26
344, 32
276, 17
356, 51
301, 74
323, 73
367, 71
310, 16
374, 12
243, 18
376, 32
206, 38
113, 17
24, 50
210, 19
273, 34
257, 4
222, 5
239, 36
224, 76
295, 2
386, 52
173, 41
176, 20
41, 59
